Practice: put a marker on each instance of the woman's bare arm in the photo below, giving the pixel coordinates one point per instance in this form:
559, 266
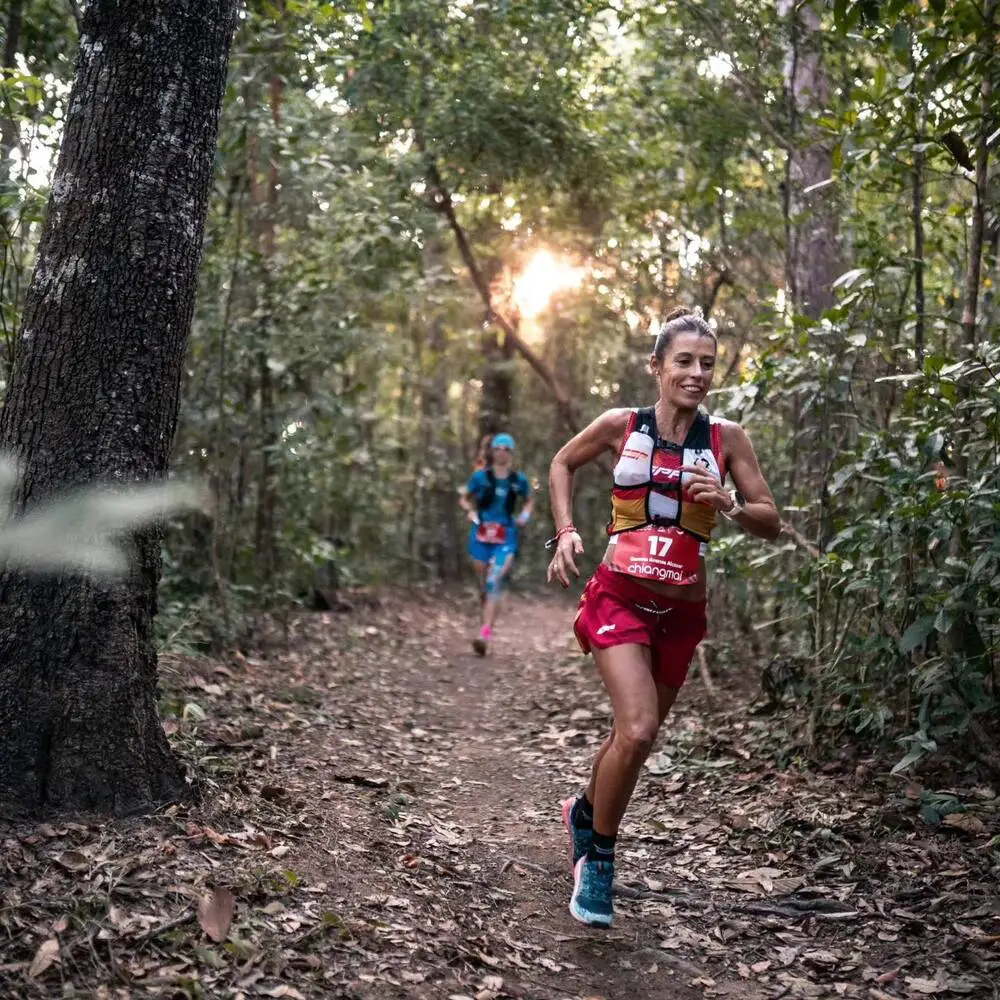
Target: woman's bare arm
598, 436
760, 515
604, 433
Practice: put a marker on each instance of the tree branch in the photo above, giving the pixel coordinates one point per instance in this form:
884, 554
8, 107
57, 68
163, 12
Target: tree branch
74, 8
722, 278
734, 364
800, 540
444, 204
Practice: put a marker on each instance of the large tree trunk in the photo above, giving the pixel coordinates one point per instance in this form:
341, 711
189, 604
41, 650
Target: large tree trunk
94, 396
815, 253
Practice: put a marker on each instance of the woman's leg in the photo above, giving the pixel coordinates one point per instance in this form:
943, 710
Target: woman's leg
665, 698
638, 710
627, 676
481, 569
496, 575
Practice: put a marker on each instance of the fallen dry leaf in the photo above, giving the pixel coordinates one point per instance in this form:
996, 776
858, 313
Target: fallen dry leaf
73, 861
47, 954
965, 822
215, 914
926, 987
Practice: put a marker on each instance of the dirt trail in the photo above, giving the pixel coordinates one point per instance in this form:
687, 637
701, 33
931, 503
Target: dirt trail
475, 752
384, 808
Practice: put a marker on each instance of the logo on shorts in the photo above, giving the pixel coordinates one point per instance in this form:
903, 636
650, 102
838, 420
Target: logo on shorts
605, 628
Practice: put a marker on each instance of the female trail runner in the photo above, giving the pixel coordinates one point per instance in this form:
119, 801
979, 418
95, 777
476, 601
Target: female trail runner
643, 612
490, 498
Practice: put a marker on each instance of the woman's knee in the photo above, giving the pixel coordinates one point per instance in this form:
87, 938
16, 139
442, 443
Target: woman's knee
634, 737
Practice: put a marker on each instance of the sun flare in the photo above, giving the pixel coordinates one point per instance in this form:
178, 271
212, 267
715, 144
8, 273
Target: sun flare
541, 278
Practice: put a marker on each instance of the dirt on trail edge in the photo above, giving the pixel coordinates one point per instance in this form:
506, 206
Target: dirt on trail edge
380, 819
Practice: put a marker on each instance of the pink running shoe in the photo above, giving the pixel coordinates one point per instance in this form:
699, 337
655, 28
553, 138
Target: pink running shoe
481, 643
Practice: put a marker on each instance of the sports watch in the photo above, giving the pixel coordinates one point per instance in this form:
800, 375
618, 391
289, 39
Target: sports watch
739, 502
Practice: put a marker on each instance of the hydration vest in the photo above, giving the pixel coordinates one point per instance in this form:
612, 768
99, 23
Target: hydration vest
647, 487
514, 493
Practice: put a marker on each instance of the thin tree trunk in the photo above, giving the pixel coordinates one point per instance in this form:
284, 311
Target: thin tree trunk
974, 272
918, 223
9, 132
95, 393
9, 140
964, 637
441, 510
221, 468
265, 197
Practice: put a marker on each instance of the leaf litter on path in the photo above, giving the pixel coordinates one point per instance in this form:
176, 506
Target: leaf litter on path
380, 818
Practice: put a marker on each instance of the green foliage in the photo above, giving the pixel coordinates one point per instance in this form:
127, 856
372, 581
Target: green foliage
340, 352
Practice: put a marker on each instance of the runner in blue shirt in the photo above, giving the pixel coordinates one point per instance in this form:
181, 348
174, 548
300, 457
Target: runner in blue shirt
491, 498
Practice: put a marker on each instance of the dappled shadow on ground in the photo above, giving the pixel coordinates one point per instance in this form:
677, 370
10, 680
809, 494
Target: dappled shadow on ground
380, 818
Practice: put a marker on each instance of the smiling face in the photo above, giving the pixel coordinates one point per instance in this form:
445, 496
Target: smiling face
685, 372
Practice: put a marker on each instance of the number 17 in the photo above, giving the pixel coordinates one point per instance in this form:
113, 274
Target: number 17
659, 546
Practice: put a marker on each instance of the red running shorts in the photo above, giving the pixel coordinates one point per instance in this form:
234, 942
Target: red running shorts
611, 614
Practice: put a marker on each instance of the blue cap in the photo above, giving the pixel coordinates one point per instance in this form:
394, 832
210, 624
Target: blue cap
502, 441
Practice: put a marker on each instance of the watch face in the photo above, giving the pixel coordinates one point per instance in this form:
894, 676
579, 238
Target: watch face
739, 498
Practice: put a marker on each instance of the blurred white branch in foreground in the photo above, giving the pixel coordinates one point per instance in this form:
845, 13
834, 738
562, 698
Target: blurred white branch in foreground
82, 531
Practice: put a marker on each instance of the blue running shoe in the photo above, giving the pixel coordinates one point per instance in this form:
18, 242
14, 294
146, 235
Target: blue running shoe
591, 902
579, 839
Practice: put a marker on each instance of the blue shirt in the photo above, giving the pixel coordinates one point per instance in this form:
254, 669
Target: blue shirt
497, 511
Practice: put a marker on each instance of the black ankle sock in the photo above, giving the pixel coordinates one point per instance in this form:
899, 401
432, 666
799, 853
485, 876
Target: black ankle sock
583, 813
602, 847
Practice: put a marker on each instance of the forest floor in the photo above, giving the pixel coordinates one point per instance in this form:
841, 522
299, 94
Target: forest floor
380, 819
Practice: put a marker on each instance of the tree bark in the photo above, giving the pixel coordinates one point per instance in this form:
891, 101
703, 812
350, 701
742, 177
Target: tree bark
94, 396
811, 220
918, 112
964, 637
443, 527
974, 271
264, 196
810, 168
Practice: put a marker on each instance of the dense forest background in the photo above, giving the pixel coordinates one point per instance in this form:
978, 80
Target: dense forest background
433, 220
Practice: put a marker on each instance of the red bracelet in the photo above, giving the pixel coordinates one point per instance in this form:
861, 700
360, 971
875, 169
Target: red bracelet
565, 530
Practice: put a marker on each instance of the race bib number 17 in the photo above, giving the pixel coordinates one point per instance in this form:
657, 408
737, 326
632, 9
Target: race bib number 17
664, 555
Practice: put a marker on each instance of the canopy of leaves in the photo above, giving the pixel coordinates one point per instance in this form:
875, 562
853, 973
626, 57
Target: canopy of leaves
341, 351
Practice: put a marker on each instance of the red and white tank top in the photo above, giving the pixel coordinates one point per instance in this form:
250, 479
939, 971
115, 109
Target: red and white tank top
657, 531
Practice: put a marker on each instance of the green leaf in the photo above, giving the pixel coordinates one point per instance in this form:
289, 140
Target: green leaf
878, 83
901, 40
840, 15
944, 620
928, 813
911, 757
849, 277
916, 633
981, 563
840, 479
